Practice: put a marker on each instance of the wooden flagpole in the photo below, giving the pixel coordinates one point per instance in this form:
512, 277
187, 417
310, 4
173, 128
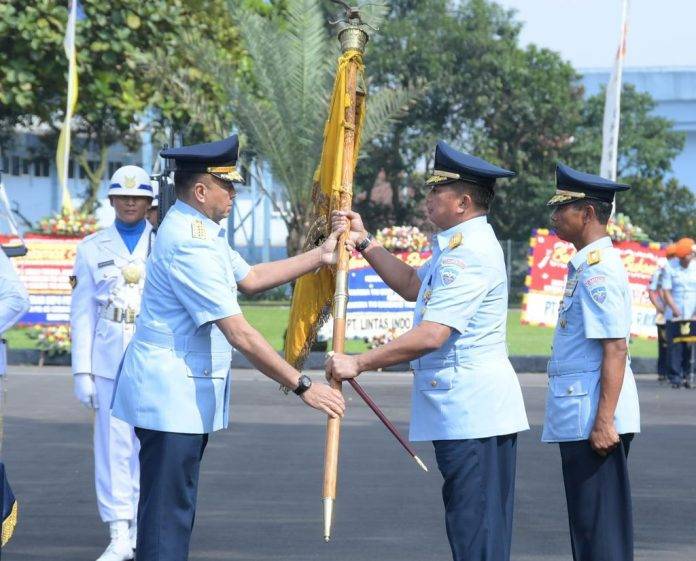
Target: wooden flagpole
352, 38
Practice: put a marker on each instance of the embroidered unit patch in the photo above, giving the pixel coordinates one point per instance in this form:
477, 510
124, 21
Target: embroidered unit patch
448, 275
599, 294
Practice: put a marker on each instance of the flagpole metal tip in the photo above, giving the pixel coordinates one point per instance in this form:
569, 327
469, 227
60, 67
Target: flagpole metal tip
420, 463
328, 517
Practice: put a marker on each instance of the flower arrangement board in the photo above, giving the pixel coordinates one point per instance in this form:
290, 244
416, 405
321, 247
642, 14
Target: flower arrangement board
547, 260
45, 271
376, 313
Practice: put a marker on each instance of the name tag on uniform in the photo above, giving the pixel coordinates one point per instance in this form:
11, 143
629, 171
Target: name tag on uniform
570, 287
105, 263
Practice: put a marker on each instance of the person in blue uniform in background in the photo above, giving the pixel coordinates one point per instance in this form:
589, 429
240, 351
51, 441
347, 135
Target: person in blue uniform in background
592, 402
466, 395
174, 382
656, 298
679, 293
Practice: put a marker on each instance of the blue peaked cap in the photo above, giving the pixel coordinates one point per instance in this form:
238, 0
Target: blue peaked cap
573, 185
452, 165
218, 158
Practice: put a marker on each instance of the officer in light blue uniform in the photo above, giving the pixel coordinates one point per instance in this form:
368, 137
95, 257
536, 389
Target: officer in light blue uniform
466, 397
173, 385
655, 294
592, 402
679, 292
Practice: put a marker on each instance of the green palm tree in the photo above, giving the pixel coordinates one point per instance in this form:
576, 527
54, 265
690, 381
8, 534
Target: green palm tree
283, 108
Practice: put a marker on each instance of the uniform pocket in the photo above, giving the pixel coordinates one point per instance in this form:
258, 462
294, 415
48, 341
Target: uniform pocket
207, 365
570, 404
441, 379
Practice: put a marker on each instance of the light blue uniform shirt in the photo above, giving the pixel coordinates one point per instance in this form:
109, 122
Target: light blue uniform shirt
682, 282
467, 388
596, 305
175, 373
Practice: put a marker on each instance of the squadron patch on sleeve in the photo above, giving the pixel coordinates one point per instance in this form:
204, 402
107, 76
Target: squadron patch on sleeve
73, 281
597, 288
449, 275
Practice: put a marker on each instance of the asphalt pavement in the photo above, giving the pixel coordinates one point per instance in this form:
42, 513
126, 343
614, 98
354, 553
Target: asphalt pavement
260, 487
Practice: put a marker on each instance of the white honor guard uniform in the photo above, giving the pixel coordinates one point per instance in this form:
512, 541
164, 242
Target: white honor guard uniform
108, 281
14, 303
596, 305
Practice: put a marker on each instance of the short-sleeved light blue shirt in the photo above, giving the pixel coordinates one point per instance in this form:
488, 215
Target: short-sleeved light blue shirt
175, 373
467, 388
596, 305
682, 282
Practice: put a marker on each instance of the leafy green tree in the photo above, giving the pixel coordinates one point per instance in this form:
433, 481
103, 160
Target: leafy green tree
484, 94
647, 146
283, 106
118, 45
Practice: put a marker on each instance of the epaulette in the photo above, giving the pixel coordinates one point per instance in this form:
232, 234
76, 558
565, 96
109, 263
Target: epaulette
198, 230
455, 241
594, 257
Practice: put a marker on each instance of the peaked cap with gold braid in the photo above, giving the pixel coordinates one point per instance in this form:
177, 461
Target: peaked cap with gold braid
452, 165
217, 158
573, 185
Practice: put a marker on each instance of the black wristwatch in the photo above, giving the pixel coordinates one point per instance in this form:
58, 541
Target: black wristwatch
362, 246
303, 384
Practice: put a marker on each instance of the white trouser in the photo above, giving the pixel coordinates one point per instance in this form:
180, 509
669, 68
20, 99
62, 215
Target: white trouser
116, 467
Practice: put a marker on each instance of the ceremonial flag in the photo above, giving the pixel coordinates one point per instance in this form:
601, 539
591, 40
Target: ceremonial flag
612, 104
313, 294
63, 152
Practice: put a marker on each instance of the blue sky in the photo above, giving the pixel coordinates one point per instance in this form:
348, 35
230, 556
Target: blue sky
585, 32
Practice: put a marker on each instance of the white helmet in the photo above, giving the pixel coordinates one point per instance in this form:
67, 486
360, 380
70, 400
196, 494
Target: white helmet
155, 191
130, 181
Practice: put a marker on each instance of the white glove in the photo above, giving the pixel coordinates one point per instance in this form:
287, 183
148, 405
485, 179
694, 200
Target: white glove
86, 391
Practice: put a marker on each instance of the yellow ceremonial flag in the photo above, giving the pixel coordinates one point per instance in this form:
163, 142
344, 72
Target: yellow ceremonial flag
311, 299
63, 151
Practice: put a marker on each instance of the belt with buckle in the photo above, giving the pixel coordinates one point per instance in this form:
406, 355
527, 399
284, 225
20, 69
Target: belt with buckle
119, 315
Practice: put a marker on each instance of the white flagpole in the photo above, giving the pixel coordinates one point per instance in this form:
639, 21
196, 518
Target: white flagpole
612, 104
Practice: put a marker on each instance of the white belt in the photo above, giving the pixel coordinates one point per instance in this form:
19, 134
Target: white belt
119, 315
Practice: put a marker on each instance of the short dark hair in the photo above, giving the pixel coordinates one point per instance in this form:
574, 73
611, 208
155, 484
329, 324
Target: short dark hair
602, 208
185, 180
481, 196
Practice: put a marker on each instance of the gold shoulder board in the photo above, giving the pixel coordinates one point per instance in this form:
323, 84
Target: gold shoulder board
594, 257
456, 240
198, 230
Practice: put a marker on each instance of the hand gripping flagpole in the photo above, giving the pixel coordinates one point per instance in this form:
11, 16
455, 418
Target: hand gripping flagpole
352, 38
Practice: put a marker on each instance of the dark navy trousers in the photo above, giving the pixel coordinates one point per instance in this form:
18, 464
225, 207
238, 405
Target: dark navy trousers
478, 492
678, 356
598, 495
169, 467
662, 352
